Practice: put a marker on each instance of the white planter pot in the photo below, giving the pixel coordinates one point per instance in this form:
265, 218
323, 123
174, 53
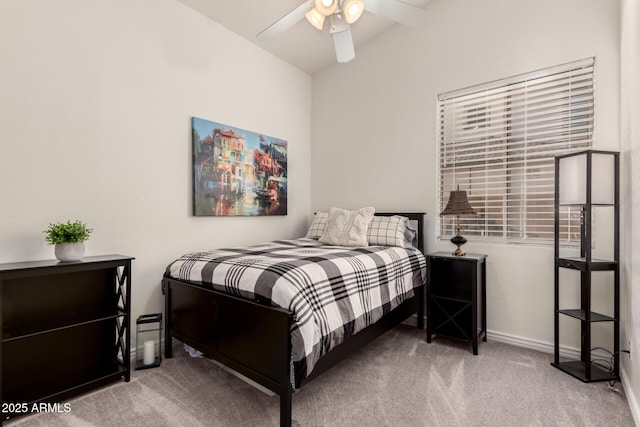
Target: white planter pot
69, 251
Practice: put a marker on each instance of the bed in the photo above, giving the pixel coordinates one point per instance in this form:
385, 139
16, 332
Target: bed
208, 306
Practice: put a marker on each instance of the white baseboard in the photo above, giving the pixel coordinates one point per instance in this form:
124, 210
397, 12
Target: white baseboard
631, 397
541, 346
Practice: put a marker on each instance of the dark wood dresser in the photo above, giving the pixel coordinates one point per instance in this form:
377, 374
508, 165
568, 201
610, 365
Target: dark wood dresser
65, 330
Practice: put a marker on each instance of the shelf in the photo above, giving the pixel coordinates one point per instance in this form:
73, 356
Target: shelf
450, 256
577, 369
65, 328
44, 326
31, 268
580, 263
581, 314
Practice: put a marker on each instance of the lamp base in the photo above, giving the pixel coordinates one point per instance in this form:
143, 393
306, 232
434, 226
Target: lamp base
458, 240
458, 252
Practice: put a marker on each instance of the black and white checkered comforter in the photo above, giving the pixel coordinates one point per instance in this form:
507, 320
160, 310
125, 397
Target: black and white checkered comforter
333, 291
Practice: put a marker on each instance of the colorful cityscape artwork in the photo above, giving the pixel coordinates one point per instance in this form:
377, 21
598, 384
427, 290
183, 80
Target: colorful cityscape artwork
237, 172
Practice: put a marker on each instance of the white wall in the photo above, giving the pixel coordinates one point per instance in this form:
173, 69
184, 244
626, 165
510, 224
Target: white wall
630, 141
95, 105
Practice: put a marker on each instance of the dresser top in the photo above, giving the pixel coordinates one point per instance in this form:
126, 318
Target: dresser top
465, 257
27, 265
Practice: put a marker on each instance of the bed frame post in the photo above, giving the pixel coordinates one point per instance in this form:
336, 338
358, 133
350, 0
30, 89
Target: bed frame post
421, 304
286, 388
285, 406
168, 340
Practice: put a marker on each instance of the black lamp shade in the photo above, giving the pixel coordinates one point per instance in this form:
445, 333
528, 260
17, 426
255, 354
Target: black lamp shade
458, 204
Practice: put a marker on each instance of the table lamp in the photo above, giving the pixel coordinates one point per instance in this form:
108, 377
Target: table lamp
458, 205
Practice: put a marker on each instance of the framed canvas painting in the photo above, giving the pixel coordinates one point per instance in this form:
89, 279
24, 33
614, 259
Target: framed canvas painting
237, 172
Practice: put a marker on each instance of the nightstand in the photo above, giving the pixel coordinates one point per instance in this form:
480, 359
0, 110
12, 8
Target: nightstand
457, 297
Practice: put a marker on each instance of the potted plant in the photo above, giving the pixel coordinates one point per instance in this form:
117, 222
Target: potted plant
68, 238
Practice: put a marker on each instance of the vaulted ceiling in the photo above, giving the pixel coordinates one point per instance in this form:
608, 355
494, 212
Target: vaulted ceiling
302, 45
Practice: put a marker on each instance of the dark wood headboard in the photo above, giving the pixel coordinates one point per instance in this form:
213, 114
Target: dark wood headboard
418, 217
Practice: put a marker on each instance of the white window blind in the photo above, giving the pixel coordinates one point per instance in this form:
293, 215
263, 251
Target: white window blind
498, 141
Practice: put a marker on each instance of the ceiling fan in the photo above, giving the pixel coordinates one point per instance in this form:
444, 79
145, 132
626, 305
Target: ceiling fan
340, 14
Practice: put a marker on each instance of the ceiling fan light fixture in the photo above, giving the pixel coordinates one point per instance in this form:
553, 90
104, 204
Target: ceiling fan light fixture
315, 18
352, 10
326, 7
338, 24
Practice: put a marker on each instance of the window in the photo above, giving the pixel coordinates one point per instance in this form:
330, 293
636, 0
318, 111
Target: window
498, 141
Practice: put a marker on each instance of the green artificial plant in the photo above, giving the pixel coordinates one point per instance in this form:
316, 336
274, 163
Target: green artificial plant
67, 232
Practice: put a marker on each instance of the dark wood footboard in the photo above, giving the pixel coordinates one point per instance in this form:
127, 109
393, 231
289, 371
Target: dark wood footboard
230, 330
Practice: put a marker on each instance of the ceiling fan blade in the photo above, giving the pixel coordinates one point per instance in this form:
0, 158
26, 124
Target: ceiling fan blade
398, 11
343, 43
286, 22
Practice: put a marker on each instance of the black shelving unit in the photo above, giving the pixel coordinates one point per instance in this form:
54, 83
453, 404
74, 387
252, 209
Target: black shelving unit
584, 369
65, 329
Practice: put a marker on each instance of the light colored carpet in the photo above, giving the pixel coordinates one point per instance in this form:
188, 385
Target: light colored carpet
398, 380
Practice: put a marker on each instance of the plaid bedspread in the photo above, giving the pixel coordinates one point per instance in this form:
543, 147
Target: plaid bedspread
333, 291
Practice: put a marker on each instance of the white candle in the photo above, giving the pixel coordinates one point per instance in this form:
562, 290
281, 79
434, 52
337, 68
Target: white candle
149, 352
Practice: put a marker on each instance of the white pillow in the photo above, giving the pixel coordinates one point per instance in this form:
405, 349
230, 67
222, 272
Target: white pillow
318, 225
391, 231
348, 228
